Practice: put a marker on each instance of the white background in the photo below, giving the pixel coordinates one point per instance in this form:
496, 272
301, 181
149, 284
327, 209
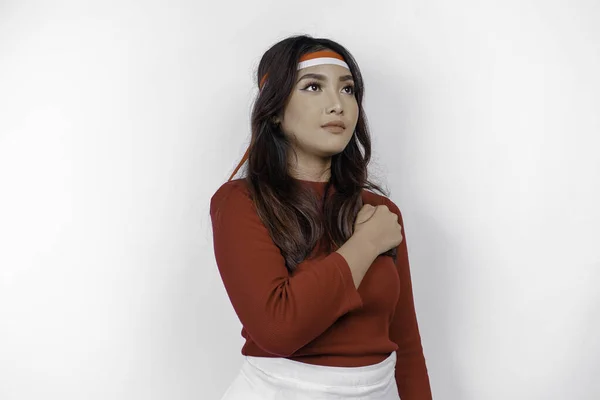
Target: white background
119, 120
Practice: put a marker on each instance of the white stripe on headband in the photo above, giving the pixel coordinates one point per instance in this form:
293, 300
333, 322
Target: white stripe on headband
322, 60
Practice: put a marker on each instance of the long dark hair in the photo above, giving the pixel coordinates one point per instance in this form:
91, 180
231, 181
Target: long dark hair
296, 219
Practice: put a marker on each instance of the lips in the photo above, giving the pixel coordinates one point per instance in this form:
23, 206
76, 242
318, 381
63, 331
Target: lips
334, 123
334, 128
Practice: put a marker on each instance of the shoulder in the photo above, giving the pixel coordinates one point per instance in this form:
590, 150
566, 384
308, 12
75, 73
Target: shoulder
379, 199
231, 193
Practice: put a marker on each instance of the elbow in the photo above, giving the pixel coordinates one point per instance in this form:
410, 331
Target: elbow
278, 349
278, 340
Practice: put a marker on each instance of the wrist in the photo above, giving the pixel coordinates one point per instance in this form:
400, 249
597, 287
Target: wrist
365, 244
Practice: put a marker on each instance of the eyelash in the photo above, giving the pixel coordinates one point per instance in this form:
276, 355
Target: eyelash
319, 85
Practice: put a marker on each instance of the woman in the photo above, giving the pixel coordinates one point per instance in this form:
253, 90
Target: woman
315, 266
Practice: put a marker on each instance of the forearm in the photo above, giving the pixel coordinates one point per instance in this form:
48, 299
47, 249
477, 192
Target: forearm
359, 254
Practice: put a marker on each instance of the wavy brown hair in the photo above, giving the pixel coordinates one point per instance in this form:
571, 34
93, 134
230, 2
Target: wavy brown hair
295, 218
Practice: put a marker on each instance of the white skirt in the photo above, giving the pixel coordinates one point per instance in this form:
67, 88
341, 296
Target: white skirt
263, 378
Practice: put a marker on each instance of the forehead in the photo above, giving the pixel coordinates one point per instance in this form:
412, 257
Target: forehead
329, 71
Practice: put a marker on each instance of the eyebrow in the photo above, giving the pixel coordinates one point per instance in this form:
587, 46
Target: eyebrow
324, 78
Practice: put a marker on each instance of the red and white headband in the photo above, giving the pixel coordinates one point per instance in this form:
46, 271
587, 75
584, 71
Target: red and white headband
315, 58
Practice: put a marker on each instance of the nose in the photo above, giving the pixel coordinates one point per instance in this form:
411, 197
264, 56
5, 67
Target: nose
335, 104
337, 108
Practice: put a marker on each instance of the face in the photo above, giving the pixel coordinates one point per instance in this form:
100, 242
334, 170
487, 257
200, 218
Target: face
315, 101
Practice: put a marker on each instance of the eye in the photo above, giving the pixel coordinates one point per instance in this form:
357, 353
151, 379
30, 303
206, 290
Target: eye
317, 84
310, 84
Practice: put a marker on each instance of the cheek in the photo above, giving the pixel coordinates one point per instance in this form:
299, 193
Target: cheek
353, 108
302, 115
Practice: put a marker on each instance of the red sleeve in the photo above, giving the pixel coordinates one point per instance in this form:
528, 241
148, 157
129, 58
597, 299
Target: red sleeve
411, 371
281, 312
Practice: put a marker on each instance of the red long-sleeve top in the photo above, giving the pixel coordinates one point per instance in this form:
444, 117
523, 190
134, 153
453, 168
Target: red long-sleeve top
316, 315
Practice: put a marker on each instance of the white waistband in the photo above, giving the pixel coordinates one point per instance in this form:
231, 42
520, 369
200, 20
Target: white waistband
281, 370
